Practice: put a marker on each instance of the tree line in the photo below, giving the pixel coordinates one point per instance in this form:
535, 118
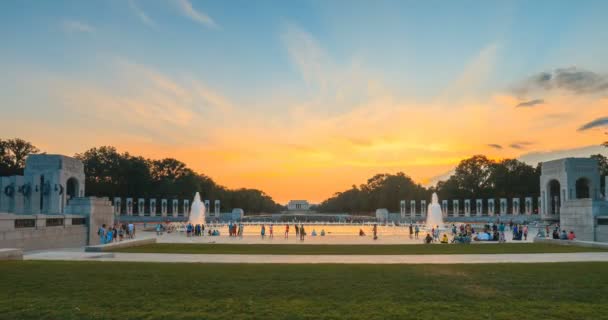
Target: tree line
475, 177
113, 174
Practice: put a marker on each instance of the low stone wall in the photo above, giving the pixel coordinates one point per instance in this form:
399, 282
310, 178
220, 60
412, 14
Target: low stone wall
11, 254
586, 244
31, 232
119, 245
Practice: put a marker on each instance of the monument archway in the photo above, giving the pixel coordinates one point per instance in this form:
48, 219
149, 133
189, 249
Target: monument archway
72, 188
583, 188
555, 200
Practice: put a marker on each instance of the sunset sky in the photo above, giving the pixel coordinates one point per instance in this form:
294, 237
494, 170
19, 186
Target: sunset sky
305, 98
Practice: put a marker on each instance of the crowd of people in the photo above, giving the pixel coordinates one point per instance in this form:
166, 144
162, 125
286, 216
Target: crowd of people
116, 232
463, 233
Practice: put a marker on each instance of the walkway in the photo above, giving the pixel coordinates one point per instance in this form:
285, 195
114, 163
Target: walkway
339, 259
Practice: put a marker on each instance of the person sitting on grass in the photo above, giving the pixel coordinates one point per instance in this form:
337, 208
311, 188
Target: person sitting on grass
571, 235
444, 239
314, 233
361, 233
322, 232
428, 238
564, 235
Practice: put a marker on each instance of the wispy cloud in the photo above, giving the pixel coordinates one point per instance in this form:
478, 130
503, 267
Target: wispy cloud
185, 6
495, 146
530, 103
141, 14
599, 122
77, 26
572, 80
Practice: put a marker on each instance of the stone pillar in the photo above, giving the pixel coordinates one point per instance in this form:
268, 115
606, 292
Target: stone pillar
18, 198
152, 207
129, 206
516, 206
503, 206
117, 206
491, 207
98, 211
606, 188
444, 208
413, 209
423, 208
479, 207
175, 208
163, 207
456, 208
141, 207
31, 195
402, 209
217, 208
186, 212
528, 205
207, 207
4, 199
467, 207
539, 205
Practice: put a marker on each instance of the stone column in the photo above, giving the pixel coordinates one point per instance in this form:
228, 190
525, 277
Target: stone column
528, 205
491, 207
467, 207
444, 208
175, 207
18, 198
479, 207
516, 206
423, 208
455, 208
152, 207
186, 208
402, 209
606, 188
208, 207
163, 207
503, 206
117, 206
217, 208
413, 209
141, 207
3, 197
129, 206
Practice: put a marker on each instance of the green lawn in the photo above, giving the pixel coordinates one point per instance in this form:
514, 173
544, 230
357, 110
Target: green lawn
355, 249
115, 290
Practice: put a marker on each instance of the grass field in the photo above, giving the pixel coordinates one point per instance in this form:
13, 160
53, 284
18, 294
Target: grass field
114, 290
355, 249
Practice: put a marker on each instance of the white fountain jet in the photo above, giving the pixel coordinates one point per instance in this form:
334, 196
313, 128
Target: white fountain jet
197, 211
434, 217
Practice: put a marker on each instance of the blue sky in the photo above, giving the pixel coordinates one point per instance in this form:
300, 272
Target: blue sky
327, 86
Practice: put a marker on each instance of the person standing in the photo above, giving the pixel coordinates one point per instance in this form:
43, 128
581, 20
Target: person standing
302, 232
101, 232
297, 230
287, 231
416, 231
271, 229
263, 231
411, 231
526, 232
375, 231
109, 235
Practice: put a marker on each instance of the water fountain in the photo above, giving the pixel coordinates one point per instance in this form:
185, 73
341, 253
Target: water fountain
197, 211
434, 217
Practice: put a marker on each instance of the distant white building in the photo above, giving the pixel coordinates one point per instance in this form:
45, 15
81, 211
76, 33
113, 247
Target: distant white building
298, 205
